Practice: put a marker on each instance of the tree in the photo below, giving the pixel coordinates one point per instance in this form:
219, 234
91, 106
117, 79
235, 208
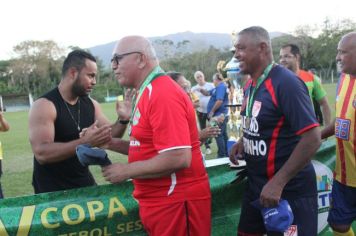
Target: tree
37, 66
324, 47
204, 61
318, 51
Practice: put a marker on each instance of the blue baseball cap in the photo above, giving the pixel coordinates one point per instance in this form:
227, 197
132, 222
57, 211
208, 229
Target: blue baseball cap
88, 155
277, 218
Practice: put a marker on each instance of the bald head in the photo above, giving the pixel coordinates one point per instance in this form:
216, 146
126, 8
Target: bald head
133, 60
135, 43
349, 39
346, 53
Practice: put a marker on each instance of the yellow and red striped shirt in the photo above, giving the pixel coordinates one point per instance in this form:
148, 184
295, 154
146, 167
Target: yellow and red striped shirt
345, 130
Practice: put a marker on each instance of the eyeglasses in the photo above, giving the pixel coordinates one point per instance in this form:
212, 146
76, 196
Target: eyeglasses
118, 57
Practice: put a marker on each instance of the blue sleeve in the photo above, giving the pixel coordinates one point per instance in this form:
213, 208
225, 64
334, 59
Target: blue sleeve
220, 92
295, 103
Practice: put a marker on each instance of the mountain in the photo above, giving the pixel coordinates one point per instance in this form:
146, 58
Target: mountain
179, 43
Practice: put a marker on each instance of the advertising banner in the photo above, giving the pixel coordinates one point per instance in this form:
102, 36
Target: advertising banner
109, 210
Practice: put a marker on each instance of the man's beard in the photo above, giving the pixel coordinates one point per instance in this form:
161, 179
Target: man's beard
78, 89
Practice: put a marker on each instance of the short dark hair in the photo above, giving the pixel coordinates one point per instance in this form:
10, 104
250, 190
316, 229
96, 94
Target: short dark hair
76, 59
258, 33
174, 75
294, 49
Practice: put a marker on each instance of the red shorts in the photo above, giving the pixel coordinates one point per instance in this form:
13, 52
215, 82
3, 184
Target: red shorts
191, 218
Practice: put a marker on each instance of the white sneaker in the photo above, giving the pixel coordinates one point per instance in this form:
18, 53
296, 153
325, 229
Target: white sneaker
208, 151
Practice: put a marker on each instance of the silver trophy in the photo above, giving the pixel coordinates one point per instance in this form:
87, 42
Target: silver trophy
236, 95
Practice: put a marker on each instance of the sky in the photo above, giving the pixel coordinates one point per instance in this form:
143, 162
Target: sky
87, 23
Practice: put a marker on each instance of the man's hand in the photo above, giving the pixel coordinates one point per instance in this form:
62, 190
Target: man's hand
115, 173
123, 108
300, 157
220, 119
210, 115
4, 125
96, 137
271, 194
209, 132
236, 152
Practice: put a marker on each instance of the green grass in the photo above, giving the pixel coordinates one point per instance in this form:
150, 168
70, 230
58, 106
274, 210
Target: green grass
18, 157
331, 93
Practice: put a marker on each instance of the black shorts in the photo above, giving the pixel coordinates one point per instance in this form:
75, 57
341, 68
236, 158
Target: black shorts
305, 212
343, 204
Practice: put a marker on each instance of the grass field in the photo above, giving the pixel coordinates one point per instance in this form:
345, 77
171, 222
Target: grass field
18, 157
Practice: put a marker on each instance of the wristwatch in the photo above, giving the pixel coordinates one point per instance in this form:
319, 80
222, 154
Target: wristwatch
124, 122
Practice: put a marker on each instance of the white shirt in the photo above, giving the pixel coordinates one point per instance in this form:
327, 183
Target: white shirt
203, 100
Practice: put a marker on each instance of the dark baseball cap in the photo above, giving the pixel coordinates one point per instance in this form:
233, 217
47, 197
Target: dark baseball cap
88, 155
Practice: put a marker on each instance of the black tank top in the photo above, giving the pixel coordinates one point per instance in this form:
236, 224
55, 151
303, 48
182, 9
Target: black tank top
69, 173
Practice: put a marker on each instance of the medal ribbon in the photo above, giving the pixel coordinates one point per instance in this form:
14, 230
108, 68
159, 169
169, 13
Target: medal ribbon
251, 95
157, 71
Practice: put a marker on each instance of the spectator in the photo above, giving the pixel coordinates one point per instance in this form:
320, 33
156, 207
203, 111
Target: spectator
343, 205
202, 109
165, 161
280, 136
207, 132
217, 108
290, 57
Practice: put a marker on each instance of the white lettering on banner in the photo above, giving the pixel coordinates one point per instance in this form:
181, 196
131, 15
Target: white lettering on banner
255, 147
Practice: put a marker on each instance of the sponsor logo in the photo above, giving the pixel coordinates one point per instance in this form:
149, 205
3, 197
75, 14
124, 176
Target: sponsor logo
250, 125
342, 128
291, 231
256, 108
271, 212
135, 143
255, 147
63, 218
324, 179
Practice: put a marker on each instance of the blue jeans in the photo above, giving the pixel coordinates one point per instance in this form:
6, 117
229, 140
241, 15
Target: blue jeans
221, 140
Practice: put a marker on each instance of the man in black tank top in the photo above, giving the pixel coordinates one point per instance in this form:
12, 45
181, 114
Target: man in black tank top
56, 120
